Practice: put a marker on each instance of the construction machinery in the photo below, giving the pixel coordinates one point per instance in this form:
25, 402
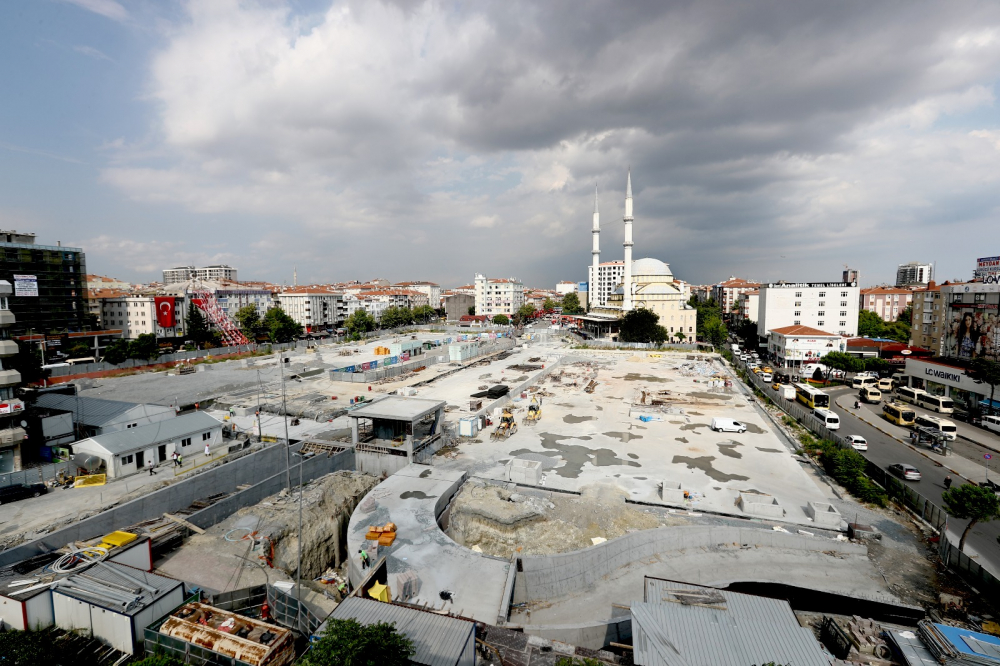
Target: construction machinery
534, 414
205, 301
507, 425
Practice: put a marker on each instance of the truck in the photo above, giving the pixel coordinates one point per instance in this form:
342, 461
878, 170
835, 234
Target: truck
735, 348
787, 391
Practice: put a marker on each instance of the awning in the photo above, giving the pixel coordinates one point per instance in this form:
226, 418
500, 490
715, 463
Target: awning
985, 402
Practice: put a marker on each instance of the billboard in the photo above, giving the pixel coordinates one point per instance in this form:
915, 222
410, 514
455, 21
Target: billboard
987, 269
973, 331
25, 285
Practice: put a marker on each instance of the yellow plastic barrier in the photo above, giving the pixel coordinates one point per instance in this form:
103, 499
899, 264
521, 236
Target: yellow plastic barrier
117, 539
90, 480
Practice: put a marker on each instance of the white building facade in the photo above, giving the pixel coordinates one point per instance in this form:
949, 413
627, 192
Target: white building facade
313, 309
914, 273
610, 274
217, 272
498, 296
136, 315
826, 306
795, 346
747, 306
428, 289
727, 292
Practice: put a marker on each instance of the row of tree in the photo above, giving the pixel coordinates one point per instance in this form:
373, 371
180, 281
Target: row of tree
870, 325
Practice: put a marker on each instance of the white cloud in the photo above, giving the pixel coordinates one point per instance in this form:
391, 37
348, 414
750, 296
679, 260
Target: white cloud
107, 8
92, 53
486, 221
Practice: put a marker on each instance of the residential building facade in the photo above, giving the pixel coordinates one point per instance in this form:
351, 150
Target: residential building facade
747, 306
610, 274
928, 318
101, 282
958, 320
826, 306
727, 292
563, 288
887, 302
429, 289
217, 273
795, 346
49, 284
914, 273
12, 435
314, 308
498, 296
137, 315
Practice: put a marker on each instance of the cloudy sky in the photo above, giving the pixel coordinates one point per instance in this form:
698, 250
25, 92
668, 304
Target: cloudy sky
434, 140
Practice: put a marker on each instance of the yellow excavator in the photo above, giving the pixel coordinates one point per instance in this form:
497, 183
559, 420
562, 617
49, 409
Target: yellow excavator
534, 414
507, 426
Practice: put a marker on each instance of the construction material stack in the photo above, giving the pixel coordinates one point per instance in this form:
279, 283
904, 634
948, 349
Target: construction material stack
383, 534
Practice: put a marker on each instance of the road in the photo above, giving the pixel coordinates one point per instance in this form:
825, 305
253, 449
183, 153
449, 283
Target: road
885, 450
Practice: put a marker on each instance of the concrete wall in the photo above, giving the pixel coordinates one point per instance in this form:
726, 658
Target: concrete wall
249, 470
578, 572
594, 636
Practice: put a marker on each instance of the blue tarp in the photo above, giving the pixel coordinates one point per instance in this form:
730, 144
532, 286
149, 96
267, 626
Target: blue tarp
956, 637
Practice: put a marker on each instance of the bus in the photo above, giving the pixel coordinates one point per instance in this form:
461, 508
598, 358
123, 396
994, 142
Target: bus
937, 424
829, 419
861, 382
907, 394
75, 361
936, 403
898, 414
811, 397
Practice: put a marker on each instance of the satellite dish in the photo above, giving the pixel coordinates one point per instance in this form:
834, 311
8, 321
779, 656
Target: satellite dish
24, 424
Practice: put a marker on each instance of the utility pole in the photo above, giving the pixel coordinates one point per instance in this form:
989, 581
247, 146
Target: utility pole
298, 569
284, 415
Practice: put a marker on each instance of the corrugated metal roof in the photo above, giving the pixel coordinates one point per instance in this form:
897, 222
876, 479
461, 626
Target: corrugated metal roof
741, 630
123, 441
162, 584
438, 640
94, 411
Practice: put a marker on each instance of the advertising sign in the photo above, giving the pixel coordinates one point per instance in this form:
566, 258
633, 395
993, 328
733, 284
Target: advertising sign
164, 311
973, 331
25, 285
987, 267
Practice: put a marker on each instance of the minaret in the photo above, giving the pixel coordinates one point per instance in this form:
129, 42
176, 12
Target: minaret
295, 276
627, 283
596, 252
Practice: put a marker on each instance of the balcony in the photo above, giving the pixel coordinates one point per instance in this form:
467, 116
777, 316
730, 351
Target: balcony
9, 378
8, 348
12, 406
12, 436
6, 318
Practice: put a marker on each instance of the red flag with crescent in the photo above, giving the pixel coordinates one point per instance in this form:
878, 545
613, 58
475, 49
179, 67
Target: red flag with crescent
164, 311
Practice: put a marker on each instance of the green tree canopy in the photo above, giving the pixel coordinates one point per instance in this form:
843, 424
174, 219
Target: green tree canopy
116, 352
80, 350
746, 330
879, 365
350, 643
396, 316
501, 320
359, 323
249, 322
870, 325
144, 347
715, 331
641, 325
906, 316
280, 327
840, 361
196, 326
986, 371
706, 310
973, 503
548, 304
897, 330
525, 312
423, 313
472, 310
571, 304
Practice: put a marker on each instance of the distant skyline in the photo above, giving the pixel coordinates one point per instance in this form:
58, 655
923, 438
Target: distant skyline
430, 141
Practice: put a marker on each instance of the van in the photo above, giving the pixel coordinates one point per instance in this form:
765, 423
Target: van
861, 382
911, 395
943, 426
936, 403
885, 385
728, 425
870, 394
787, 392
991, 423
829, 419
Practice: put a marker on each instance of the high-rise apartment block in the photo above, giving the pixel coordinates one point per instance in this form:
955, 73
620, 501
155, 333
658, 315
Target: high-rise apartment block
498, 296
49, 283
216, 273
914, 273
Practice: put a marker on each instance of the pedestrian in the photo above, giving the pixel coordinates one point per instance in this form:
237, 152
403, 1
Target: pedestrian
180, 460
208, 451
149, 466
173, 456
947, 482
364, 559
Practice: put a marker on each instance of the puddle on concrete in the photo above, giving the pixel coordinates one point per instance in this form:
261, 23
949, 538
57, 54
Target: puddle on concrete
761, 448
694, 427
637, 427
504, 461
636, 377
633, 456
570, 418
695, 413
599, 408
752, 491
424, 474
564, 404
576, 456
704, 463
705, 395
716, 487
612, 397
639, 478
676, 422
415, 494
728, 449
682, 440
623, 437
755, 429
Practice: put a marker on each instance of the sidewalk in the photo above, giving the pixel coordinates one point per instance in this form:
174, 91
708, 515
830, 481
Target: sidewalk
956, 464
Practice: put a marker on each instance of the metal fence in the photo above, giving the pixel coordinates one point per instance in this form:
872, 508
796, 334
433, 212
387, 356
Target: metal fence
288, 611
239, 600
986, 583
40, 474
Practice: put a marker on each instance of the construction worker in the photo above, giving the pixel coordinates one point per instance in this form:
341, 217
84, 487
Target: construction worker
180, 460
342, 589
364, 559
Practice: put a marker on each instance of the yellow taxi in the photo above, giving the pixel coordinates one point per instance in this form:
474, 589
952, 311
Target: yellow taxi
767, 368
776, 386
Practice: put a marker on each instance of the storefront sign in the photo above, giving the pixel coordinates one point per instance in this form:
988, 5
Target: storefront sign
987, 267
942, 374
25, 285
11, 407
799, 285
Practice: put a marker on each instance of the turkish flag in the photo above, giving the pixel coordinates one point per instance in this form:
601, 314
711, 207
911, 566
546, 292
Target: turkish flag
164, 311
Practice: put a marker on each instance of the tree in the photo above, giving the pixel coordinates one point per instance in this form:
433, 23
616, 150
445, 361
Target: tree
196, 325
906, 316
870, 325
840, 361
525, 312
423, 312
144, 347
31, 648
988, 372
641, 325
746, 331
571, 304
715, 331
680, 335
472, 310
80, 350
548, 304
350, 643
116, 352
280, 327
249, 322
897, 330
973, 503
396, 316
501, 320
706, 310
359, 323
879, 365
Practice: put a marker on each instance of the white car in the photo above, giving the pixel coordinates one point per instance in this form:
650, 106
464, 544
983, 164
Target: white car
857, 442
767, 377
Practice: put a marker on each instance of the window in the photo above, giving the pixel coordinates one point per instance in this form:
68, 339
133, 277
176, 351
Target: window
842, 324
843, 313
798, 313
798, 304
822, 303
797, 322
821, 313
822, 294
798, 294
843, 294
127, 460
206, 436
843, 304
186, 441
819, 323
980, 298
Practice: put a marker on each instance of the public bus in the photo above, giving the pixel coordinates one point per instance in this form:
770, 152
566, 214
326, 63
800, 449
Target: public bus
811, 396
936, 403
937, 424
898, 414
911, 395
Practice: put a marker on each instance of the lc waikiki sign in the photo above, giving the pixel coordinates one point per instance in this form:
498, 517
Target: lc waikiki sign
942, 374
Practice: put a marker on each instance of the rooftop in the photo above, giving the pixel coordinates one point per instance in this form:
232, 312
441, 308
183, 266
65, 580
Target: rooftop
95, 411
123, 441
803, 330
397, 408
113, 576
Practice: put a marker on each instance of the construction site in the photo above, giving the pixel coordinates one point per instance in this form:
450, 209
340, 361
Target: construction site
530, 488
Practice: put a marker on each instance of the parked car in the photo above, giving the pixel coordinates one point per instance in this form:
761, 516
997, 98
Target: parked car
728, 425
905, 472
20, 491
857, 442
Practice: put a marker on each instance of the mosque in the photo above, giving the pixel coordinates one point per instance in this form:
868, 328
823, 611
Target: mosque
618, 287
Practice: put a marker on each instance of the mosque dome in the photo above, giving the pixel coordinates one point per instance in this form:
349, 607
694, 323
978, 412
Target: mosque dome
648, 266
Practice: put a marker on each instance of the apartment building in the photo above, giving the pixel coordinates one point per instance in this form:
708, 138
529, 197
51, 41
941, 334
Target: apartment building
914, 274
315, 308
727, 292
827, 306
12, 435
429, 289
610, 274
140, 315
498, 296
216, 272
958, 320
375, 302
563, 288
102, 282
747, 306
886, 302
95, 302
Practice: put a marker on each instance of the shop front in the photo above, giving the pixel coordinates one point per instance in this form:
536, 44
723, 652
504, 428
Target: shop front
949, 381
